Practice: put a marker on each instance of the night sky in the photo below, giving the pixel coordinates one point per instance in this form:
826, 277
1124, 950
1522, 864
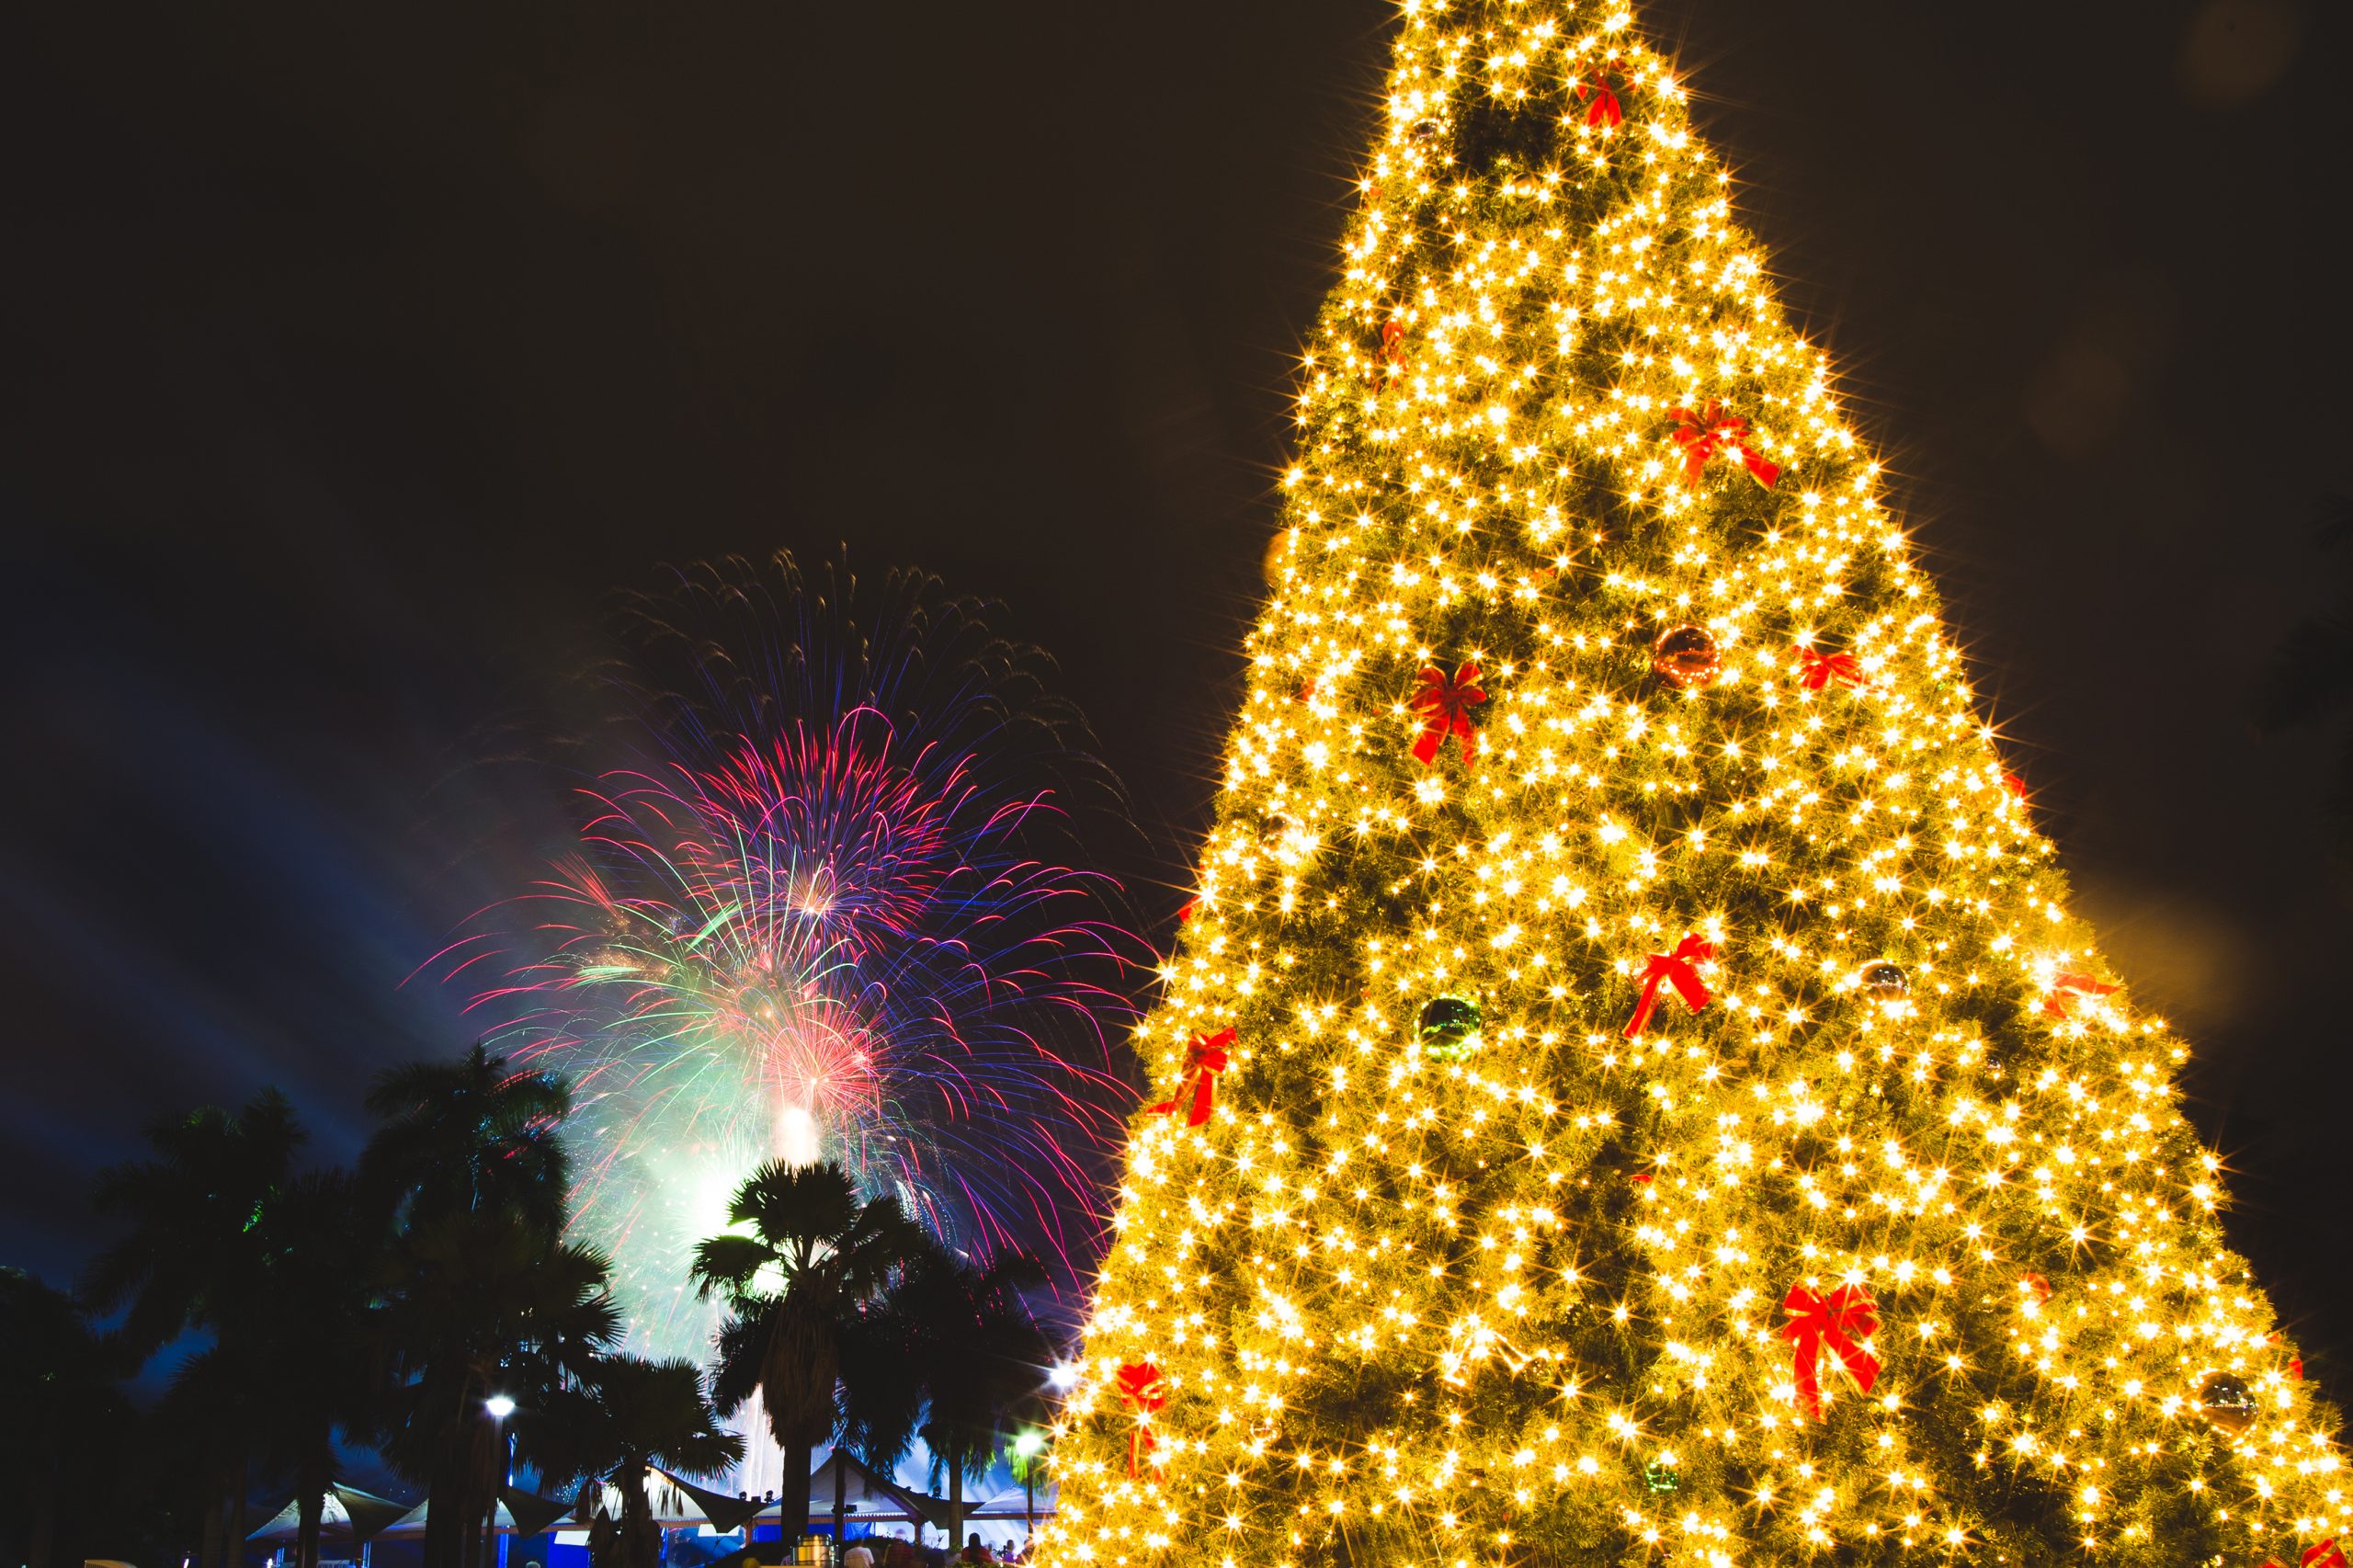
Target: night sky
352, 357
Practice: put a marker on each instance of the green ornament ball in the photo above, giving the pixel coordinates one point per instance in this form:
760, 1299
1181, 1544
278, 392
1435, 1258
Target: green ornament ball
1449, 1028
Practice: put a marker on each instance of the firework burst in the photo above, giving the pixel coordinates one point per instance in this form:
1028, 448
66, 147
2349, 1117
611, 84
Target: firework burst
827, 911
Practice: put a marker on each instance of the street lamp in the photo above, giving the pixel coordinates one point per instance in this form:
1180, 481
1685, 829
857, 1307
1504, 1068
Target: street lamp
500, 1407
1030, 1445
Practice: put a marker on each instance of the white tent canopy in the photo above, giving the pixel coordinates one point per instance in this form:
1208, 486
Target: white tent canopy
412, 1522
865, 1496
868, 1499
334, 1518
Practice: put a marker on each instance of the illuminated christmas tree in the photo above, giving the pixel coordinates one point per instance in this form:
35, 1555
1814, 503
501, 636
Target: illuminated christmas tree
1634, 1089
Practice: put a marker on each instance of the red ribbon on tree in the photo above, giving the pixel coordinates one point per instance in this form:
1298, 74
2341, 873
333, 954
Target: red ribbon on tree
1392, 338
1141, 1385
1204, 1059
1834, 1322
1821, 669
1445, 706
1704, 433
1606, 110
1680, 968
2325, 1555
2066, 990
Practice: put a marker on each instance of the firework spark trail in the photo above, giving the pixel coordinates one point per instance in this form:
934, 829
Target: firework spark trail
824, 913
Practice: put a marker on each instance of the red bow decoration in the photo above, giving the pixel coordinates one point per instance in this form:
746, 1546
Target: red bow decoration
1821, 669
2015, 785
1606, 110
1204, 1059
1445, 706
1141, 1385
1705, 434
2325, 1555
1680, 968
2067, 989
1835, 1320
1392, 336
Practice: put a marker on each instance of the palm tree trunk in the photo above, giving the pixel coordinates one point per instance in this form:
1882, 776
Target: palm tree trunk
585, 1511
44, 1530
445, 1521
44, 1518
314, 1501
641, 1541
235, 1544
216, 1520
480, 1495
793, 1496
955, 1506
841, 1510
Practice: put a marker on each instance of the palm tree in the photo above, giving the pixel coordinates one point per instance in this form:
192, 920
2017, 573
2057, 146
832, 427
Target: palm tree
195, 1215
209, 1428
879, 1396
475, 1304
310, 1323
980, 1356
481, 1296
471, 1134
59, 1383
624, 1415
288, 1367
811, 1255
192, 1211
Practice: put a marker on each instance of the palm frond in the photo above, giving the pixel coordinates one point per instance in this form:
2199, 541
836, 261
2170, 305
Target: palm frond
729, 1263
798, 1208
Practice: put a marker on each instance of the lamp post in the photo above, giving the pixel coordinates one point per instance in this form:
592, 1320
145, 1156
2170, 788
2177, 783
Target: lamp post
1030, 1445
500, 1407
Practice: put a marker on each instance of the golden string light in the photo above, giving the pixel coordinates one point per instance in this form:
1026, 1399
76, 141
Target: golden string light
1455, 1271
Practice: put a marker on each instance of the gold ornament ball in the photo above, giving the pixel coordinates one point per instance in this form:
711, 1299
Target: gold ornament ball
2227, 1403
1687, 656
